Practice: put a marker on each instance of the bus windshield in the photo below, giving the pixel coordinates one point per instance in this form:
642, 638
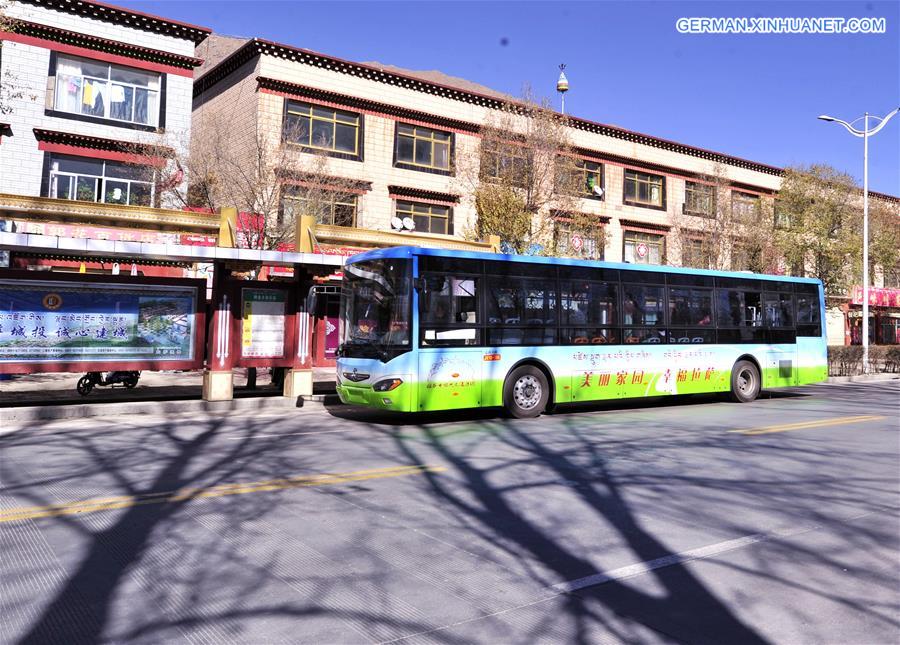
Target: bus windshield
375, 309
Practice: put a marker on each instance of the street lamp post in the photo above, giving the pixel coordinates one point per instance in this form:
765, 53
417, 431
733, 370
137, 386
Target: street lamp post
865, 133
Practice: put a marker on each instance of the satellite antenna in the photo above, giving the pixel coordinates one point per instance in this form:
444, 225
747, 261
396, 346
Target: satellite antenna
396, 223
409, 224
562, 86
597, 190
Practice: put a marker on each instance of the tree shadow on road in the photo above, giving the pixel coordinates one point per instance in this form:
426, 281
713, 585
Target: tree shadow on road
177, 570
622, 484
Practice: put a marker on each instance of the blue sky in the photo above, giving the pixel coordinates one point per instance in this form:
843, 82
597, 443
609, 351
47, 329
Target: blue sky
753, 96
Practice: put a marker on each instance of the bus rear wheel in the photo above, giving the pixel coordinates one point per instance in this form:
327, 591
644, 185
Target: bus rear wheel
526, 392
745, 382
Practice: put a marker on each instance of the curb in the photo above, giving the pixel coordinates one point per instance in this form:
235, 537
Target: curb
863, 378
87, 410
319, 400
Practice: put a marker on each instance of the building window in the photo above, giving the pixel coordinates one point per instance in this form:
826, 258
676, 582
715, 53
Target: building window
695, 253
96, 180
744, 206
745, 257
592, 174
644, 248
98, 89
573, 242
644, 189
579, 177
420, 148
511, 165
699, 199
321, 128
328, 207
782, 217
429, 218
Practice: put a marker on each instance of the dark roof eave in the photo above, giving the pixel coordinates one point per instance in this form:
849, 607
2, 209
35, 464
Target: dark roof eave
56, 34
121, 15
258, 46
102, 143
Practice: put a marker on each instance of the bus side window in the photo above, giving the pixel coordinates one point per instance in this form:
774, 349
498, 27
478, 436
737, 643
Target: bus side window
449, 311
521, 310
589, 312
809, 320
739, 308
779, 309
690, 307
643, 314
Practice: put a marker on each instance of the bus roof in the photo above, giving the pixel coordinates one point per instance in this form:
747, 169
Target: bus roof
410, 251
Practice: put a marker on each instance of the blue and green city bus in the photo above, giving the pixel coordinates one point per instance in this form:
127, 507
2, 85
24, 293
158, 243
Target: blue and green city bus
431, 329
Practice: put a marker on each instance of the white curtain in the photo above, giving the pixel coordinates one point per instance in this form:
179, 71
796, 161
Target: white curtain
68, 85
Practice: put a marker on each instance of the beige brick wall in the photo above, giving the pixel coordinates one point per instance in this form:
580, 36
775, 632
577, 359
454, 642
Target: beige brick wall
231, 105
376, 208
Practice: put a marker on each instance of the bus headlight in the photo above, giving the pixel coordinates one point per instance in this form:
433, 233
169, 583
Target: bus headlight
387, 385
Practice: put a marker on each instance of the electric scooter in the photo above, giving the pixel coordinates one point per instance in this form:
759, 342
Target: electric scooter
87, 382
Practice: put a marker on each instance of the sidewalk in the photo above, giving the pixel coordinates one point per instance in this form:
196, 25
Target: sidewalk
53, 396
862, 378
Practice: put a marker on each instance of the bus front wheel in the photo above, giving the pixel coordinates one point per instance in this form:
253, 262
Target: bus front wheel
745, 382
526, 392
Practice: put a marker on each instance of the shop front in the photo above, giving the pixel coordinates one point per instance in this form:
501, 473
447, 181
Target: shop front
884, 316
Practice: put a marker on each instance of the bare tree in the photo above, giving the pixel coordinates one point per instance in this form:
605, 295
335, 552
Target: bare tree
721, 227
267, 177
523, 176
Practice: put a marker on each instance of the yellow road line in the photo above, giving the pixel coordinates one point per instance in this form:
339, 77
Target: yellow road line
127, 501
802, 425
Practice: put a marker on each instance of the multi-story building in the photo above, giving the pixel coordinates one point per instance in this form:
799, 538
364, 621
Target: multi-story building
94, 87
402, 136
97, 106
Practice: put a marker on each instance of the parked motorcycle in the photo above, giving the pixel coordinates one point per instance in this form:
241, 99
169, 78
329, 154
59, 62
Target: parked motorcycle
87, 382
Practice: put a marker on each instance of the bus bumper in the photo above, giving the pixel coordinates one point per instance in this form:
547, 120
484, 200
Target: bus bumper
398, 399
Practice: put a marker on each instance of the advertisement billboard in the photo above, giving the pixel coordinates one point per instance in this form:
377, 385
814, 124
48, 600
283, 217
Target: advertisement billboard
57, 322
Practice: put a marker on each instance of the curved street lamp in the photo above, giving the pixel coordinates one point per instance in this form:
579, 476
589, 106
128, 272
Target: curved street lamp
865, 133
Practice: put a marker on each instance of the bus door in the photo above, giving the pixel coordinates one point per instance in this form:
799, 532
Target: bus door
449, 356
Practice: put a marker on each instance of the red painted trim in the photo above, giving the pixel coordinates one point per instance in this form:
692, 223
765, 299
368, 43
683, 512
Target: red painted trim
352, 108
109, 155
563, 218
421, 200
749, 191
647, 228
97, 55
329, 187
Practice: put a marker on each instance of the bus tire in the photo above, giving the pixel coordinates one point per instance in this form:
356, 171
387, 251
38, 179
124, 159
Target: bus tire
745, 382
526, 392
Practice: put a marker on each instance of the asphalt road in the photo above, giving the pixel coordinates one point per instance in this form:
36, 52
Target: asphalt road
689, 521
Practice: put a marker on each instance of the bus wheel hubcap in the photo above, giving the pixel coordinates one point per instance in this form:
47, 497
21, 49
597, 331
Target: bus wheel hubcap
745, 381
527, 392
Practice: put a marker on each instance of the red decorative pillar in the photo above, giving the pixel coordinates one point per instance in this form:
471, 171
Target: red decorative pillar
218, 379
